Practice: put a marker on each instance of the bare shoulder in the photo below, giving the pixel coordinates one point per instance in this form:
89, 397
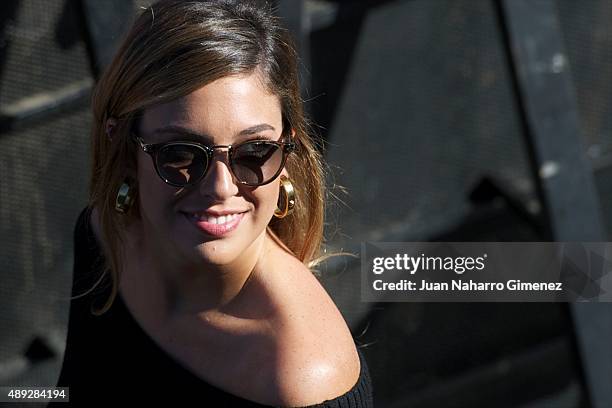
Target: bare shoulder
316, 355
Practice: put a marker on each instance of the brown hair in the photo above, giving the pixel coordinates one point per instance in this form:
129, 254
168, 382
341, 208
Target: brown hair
173, 49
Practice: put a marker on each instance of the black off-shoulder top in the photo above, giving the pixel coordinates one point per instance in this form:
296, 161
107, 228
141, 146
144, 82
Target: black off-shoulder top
110, 359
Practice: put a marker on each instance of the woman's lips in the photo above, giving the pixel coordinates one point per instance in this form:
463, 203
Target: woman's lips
215, 229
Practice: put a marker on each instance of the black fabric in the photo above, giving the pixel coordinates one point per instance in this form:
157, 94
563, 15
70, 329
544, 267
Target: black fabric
110, 358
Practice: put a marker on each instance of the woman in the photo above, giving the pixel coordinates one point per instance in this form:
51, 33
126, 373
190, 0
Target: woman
206, 210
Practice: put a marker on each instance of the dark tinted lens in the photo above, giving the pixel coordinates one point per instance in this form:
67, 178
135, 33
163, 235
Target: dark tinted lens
182, 164
257, 162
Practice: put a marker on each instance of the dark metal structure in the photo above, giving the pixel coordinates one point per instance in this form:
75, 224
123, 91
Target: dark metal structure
559, 160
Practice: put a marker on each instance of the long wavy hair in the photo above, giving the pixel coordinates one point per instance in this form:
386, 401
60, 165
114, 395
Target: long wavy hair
174, 48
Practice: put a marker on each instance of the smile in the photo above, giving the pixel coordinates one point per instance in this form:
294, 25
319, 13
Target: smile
216, 226
215, 220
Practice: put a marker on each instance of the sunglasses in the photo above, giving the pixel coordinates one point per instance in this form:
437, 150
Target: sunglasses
252, 163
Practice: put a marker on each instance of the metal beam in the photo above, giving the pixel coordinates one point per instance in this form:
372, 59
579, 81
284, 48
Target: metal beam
38, 107
105, 24
564, 175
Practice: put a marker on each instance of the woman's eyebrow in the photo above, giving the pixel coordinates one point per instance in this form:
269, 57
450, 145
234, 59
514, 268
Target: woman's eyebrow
256, 129
188, 133
179, 130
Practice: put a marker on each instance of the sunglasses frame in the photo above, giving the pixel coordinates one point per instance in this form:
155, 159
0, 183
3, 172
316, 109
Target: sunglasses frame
153, 149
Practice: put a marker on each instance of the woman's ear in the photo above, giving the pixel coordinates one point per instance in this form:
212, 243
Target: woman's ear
110, 125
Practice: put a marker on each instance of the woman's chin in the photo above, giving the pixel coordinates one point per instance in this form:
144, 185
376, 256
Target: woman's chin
215, 254
212, 253
204, 249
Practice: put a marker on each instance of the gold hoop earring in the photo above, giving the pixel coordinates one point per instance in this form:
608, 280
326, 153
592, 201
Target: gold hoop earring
286, 198
123, 202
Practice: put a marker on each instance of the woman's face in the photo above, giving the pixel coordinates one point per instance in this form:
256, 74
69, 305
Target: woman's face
184, 223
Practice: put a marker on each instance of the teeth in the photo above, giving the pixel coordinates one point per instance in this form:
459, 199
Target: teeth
215, 220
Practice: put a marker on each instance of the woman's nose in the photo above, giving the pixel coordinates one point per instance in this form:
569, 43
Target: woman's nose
219, 181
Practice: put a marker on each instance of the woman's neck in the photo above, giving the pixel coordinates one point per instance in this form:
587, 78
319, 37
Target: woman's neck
157, 282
